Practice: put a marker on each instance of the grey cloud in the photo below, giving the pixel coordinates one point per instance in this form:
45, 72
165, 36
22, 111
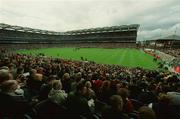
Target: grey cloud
155, 16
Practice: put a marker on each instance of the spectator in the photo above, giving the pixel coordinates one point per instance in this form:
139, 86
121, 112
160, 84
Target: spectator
66, 82
124, 93
146, 113
46, 87
115, 111
5, 75
77, 102
105, 91
57, 95
162, 107
12, 105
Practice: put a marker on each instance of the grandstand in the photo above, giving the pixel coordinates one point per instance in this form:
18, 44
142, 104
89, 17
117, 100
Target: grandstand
124, 35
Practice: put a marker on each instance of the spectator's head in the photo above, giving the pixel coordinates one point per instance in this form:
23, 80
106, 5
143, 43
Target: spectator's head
57, 85
9, 86
20, 70
11, 66
66, 76
88, 84
164, 98
175, 97
40, 70
146, 113
4, 67
38, 77
81, 88
123, 92
78, 76
51, 78
106, 85
5, 75
118, 86
90, 92
116, 102
33, 72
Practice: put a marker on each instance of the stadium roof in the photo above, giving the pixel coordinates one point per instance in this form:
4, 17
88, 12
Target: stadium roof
27, 29
171, 37
174, 37
133, 27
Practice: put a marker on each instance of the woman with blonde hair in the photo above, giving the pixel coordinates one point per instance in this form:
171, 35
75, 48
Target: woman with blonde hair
57, 95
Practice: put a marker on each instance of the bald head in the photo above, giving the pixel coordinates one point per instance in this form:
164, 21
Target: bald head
5, 75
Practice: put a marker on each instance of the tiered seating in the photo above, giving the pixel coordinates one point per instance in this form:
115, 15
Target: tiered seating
50, 88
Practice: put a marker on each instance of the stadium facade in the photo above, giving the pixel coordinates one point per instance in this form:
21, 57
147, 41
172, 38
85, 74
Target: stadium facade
124, 35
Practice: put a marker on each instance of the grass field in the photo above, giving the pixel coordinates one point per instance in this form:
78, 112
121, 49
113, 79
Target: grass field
124, 57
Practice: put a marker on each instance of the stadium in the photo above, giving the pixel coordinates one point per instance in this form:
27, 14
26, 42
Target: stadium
102, 72
117, 36
89, 40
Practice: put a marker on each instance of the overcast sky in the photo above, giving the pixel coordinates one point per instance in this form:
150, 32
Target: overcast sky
157, 18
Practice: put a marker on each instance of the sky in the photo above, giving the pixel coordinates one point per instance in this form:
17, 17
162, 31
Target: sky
157, 18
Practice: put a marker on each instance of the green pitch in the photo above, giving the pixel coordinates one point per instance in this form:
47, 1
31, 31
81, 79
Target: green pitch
124, 57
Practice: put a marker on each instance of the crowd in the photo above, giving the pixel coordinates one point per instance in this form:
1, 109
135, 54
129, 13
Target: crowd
37, 87
11, 46
173, 52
